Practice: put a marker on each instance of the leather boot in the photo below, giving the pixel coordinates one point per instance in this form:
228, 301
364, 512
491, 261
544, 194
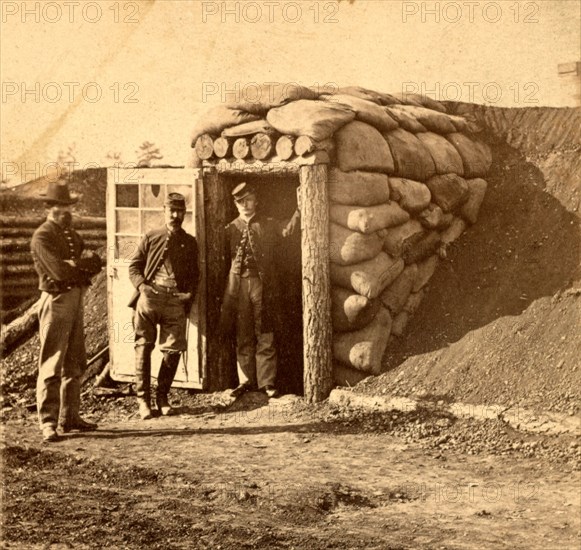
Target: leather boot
143, 380
167, 372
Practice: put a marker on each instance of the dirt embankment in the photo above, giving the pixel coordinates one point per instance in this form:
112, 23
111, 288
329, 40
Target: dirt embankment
501, 321
548, 138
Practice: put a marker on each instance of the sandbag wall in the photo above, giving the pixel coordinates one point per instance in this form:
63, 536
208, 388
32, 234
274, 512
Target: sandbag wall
405, 180
399, 197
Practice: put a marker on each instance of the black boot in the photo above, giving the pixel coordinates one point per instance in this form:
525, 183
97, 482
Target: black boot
143, 380
167, 372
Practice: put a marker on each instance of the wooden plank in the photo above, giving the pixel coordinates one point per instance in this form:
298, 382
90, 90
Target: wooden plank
163, 176
113, 176
202, 297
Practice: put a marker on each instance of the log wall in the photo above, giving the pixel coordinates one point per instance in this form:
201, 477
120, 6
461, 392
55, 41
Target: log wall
18, 279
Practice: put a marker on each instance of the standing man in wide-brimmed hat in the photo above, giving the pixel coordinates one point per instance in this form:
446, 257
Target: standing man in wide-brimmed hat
64, 276
164, 271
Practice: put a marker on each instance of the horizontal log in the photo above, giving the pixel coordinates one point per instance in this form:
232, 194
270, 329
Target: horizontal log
17, 270
18, 294
15, 258
19, 329
27, 232
26, 281
17, 310
285, 147
79, 222
262, 146
222, 147
305, 145
241, 148
205, 146
14, 245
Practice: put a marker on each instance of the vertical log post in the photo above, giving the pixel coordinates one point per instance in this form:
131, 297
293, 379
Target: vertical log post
220, 358
317, 335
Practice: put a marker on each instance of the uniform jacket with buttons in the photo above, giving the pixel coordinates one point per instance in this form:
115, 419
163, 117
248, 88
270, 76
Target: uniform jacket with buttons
50, 249
265, 236
157, 245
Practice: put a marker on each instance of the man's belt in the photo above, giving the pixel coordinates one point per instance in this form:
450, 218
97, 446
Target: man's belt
165, 282
165, 289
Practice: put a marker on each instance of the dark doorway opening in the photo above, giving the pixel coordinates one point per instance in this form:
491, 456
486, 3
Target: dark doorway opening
277, 199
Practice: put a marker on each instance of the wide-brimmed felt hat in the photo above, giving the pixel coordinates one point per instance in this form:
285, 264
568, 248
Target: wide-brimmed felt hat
243, 190
176, 201
58, 193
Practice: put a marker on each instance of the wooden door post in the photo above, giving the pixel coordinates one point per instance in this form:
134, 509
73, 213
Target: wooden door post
317, 334
219, 350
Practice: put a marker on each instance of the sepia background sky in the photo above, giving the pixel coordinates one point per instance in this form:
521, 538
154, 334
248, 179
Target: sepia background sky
156, 64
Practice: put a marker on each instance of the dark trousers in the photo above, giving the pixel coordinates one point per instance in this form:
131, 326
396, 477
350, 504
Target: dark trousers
255, 352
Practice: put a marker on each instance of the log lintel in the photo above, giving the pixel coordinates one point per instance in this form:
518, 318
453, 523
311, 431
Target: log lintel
274, 164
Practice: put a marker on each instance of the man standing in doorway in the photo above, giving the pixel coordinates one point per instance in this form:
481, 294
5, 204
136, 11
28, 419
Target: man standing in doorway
63, 278
252, 292
164, 271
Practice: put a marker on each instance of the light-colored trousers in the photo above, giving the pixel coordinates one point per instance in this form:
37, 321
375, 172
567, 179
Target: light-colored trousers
255, 353
62, 359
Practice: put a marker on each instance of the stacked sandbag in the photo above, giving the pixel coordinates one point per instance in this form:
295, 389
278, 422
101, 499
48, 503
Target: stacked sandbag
399, 181
405, 180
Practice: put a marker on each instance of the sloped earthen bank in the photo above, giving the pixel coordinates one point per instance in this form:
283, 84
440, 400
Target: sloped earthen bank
501, 324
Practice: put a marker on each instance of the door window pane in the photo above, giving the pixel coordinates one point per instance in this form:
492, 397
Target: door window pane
127, 221
127, 196
152, 195
152, 219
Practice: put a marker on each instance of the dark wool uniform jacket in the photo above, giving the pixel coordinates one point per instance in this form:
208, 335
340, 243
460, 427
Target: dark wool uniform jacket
156, 245
50, 248
265, 245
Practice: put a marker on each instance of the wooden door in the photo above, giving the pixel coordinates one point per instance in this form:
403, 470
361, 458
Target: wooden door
135, 200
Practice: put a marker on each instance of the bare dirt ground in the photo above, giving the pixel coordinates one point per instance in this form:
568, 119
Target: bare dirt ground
280, 474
